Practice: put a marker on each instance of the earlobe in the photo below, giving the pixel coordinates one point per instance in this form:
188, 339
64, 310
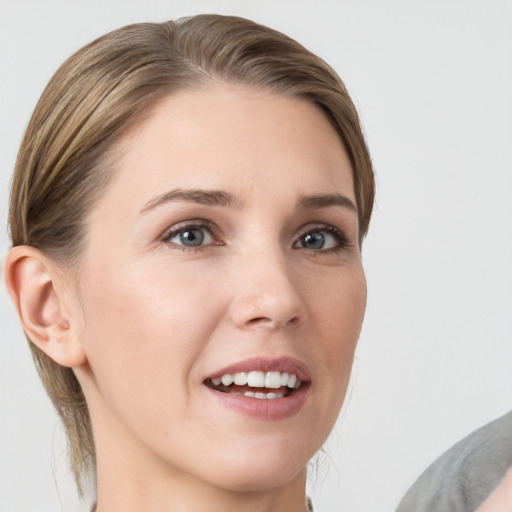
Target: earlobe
39, 297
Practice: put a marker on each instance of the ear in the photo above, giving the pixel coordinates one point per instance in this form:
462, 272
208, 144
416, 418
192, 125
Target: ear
37, 288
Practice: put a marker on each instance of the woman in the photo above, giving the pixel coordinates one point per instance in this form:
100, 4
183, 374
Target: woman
187, 213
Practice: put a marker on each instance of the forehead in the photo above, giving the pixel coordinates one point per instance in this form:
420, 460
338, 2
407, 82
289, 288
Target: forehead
231, 137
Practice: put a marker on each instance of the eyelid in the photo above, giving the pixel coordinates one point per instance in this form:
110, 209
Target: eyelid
342, 238
178, 228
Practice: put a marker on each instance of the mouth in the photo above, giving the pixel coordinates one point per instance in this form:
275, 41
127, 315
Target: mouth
261, 385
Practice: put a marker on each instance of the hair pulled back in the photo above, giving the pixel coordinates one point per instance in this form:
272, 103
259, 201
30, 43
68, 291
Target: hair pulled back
66, 157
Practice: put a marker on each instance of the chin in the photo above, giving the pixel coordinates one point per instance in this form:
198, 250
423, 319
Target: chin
259, 469
259, 479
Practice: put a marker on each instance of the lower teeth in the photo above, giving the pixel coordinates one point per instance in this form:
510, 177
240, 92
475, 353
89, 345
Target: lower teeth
263, 396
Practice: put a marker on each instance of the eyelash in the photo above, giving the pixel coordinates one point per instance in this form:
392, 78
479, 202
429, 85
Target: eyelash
189, 226
340, 237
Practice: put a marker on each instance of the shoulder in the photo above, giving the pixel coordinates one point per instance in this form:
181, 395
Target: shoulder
463, 477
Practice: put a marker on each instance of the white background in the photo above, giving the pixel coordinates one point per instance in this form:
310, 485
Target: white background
433, 82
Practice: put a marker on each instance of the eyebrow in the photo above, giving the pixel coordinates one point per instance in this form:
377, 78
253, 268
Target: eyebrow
207, 197
316, 201
228, 200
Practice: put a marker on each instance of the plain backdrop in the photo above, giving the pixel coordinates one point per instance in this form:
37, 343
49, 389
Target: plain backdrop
433, 82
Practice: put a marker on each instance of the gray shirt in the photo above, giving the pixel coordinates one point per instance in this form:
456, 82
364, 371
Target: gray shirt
464, 476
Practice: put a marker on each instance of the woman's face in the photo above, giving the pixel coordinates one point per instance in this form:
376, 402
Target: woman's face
226, 247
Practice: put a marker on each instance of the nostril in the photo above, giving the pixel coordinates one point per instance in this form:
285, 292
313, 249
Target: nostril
259, 319
266, 320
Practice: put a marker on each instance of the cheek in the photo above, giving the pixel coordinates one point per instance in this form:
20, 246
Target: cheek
338, 308
146, 329
337, 314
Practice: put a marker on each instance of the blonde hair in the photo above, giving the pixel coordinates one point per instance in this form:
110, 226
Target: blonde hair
65, 158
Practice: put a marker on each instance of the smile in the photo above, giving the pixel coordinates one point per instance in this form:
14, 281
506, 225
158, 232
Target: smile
256, 384
261, 387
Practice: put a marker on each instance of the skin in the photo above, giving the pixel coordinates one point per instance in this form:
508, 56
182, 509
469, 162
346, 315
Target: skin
153, 318
500, 499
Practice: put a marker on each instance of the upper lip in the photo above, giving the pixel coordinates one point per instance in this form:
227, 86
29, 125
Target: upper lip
266, 364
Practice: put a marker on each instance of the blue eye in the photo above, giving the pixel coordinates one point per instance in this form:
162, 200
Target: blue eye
313, 241
322, 239
190, 236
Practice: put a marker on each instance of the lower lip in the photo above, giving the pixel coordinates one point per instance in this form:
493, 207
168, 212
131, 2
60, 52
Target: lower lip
269, 408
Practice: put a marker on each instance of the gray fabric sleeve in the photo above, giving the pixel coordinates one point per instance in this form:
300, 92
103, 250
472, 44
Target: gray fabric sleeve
463, 477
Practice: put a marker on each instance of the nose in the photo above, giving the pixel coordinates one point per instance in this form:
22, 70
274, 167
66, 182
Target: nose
266, 293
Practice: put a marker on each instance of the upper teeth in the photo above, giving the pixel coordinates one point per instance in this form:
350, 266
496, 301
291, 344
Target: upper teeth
258, 379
